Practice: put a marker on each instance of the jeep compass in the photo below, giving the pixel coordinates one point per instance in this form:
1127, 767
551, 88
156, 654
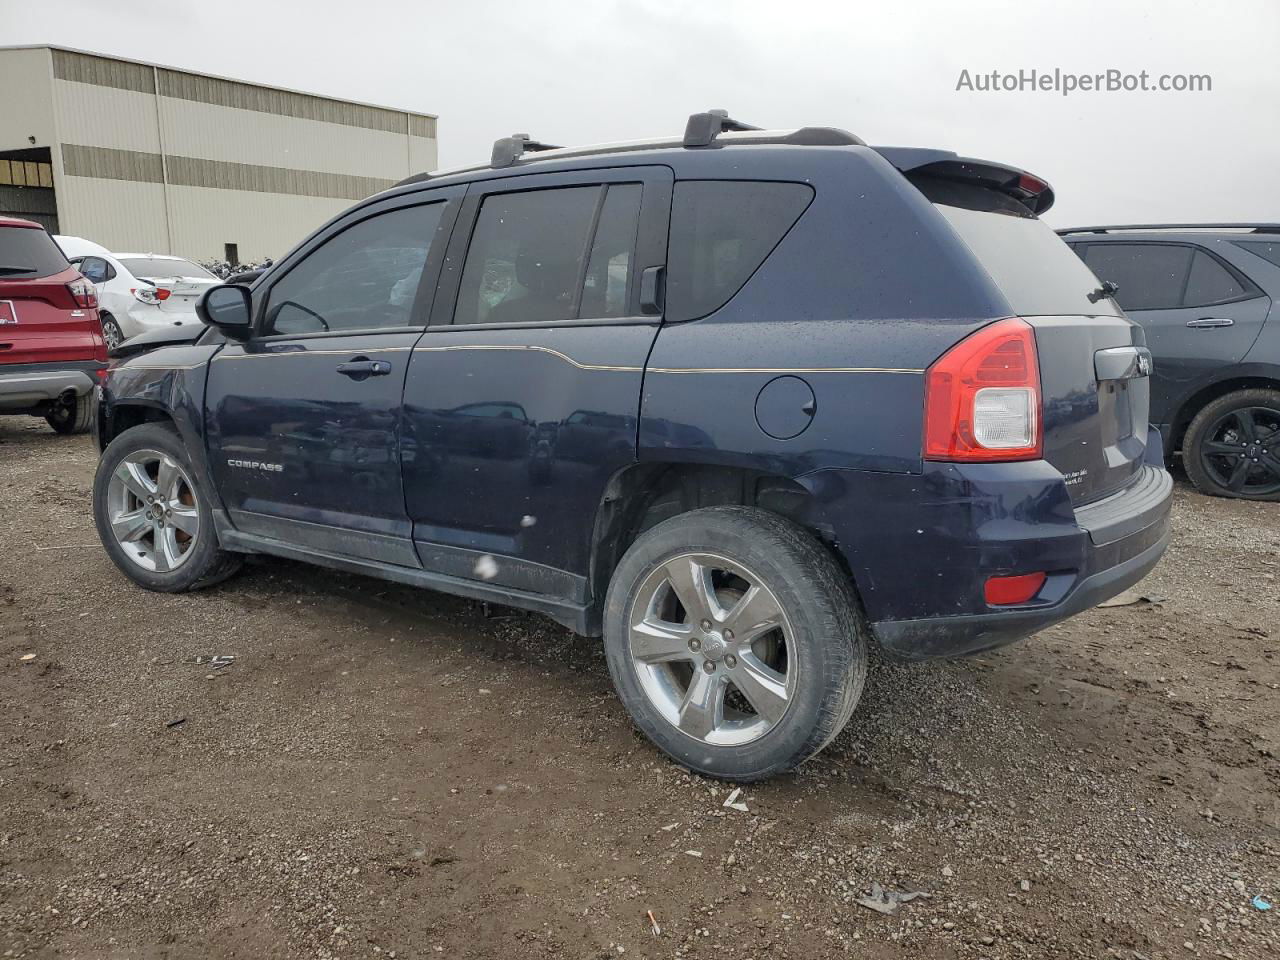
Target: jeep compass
742, 403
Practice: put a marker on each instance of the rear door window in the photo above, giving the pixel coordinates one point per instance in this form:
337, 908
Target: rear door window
1165, 276
96, 270
1151, 276
546, 256
26, 253
721, 232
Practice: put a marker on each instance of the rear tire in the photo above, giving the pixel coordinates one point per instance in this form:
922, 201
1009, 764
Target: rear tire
111, 331
153, 515
71, 416
1232, 447
742, 706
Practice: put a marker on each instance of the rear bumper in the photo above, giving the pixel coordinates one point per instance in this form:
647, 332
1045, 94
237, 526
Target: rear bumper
921, 548
28, 385
964, 635
142, 317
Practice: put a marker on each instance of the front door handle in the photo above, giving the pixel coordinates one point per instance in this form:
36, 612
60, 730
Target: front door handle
1209, 322
359, 368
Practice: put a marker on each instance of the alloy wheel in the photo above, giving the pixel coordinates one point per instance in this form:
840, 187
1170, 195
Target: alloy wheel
1242, 452
151, 505
112, 335
709, 642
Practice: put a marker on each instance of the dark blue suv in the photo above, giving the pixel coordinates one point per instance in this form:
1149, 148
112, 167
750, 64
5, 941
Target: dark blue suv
742, 403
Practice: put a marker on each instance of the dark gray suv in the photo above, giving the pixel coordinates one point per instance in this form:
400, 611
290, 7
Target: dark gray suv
1206, 294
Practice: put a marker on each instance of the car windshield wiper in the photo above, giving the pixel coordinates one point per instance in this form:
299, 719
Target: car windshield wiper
7, 269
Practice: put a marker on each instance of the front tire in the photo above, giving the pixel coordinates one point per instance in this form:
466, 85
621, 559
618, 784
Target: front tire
735, 642
111, 332
1232, 447
71, 416
152, 515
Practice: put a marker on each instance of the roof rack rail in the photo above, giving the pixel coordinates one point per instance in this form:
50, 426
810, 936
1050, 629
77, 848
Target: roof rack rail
1116, 228
508, 150
703, 128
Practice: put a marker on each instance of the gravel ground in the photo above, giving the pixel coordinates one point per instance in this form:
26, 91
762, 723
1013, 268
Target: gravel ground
384, 772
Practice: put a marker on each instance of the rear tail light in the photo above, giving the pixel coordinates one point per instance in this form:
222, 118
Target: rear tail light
150, 294
83, 294
982, 397
1003, 591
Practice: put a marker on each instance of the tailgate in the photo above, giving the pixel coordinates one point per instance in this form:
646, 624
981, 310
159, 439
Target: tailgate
40, 322
1096, 399
183, 294
1094, 365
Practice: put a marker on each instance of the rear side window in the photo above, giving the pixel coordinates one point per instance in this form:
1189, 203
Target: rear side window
545, 256
1151, 276
721, 232
1037, 273
1261, 248
27, 252
1210, 282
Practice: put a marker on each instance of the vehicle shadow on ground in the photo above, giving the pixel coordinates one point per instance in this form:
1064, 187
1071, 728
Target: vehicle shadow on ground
916, 722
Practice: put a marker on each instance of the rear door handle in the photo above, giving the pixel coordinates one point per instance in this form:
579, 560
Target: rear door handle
360, 368
1208, 322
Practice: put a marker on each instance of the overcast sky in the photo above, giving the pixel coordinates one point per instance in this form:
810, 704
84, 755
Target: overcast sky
568, 71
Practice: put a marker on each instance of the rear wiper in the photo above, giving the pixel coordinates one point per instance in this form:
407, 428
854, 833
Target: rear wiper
4, 269
1108, 289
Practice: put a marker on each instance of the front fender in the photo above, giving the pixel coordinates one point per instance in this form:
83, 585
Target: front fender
164, 384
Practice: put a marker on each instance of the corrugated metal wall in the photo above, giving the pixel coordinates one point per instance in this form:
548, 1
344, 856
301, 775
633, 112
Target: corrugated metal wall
208, 161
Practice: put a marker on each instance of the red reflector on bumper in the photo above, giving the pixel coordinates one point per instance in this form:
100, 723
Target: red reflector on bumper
1002, 591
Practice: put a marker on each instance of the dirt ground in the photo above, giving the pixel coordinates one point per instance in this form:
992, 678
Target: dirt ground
385, 772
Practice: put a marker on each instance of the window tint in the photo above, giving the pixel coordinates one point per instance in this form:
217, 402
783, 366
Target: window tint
1151, 276
721, 231
1262, 248
27, 252
95, 269
1210, 282
364, 278
163, 267
1030, 264
608, 278
525, 261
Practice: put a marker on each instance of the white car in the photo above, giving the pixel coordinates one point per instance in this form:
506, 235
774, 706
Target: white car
138, 291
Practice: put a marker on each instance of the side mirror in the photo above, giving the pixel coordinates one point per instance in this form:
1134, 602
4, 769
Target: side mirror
228, 307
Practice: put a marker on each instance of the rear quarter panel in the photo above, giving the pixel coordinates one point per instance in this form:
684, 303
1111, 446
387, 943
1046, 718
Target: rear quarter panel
861, 295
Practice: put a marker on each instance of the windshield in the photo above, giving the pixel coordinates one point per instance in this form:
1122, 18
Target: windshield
26, 252
146, 267
1037, 273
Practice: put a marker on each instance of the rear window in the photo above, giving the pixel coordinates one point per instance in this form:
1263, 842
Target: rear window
1037, 273
25, 252
147, 267
721, 231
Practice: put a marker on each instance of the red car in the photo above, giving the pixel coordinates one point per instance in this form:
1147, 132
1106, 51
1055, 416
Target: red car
51, 346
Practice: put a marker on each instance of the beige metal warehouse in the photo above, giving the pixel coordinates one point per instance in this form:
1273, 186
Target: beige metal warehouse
142, 157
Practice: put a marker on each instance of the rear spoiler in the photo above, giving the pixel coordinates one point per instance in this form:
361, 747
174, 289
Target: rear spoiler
1031, 191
